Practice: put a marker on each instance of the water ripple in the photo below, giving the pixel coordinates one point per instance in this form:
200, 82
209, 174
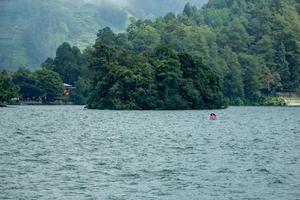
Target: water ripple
67, 152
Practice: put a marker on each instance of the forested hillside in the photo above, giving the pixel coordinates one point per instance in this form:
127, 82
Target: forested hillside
252, 45
31, 30
259, 42
240, 52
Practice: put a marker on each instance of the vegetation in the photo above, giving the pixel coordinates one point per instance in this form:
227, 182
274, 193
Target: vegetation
69, 63
50, 84
163, 80
274, 101
252, 46
8, 89
42, 85
237, 51
80, 94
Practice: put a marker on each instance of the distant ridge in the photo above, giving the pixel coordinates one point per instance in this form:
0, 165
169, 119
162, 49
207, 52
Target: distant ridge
30, 31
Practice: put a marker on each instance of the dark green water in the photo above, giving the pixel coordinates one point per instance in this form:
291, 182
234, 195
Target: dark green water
67, 152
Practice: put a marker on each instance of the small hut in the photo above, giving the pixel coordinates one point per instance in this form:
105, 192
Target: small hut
67, 89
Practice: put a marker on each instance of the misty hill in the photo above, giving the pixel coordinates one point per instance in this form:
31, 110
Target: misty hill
30, 30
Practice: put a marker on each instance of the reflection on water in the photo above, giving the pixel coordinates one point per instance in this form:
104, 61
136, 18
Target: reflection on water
67, 152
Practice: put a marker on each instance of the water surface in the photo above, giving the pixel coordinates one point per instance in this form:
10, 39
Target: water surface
67, 152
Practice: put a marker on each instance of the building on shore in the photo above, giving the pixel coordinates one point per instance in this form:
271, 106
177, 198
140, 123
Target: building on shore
67, 89
63, 99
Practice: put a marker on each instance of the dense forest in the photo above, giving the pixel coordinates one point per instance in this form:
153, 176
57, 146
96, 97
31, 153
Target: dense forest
31, 30
240, 52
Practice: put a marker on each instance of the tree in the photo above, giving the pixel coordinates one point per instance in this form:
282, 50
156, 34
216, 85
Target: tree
28, 83
68, 63
106, 36
205, 80
236, 36
80, 94
189, 10
233, 79
8, 89
252, 79
50, 84
101, 58
245, 50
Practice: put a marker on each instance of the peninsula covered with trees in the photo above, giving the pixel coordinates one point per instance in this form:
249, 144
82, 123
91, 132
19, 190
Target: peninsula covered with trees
237, 52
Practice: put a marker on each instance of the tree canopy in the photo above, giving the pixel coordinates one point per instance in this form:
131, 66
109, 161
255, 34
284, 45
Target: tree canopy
239, 52
42, 84
8, 89
253, 46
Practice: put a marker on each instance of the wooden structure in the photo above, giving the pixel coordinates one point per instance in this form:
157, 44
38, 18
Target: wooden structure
67, 89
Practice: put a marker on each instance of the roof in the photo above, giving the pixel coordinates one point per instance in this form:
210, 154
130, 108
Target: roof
67, 85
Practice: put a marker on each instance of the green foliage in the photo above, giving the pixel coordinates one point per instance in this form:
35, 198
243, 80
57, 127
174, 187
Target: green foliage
235, 51
80, 94
159, 79
233, 78
274, 101
68, 63
252, 45
42, 84
189, 10
50, 83
28, 83
8, 89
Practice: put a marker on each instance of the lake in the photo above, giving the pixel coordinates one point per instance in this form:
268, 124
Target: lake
68, 152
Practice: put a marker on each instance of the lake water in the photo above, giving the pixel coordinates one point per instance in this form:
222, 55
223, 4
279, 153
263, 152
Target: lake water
68, 152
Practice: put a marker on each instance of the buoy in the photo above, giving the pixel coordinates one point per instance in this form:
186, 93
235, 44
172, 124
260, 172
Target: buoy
213, 117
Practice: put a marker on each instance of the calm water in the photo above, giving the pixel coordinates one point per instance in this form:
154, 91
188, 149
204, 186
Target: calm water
67, 152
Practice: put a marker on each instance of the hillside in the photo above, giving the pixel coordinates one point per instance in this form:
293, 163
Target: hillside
252, 47
241, 52
31, 30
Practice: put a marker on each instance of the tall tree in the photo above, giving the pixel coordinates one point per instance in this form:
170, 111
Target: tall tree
8, 89
68, 63
28, 83
50, 83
